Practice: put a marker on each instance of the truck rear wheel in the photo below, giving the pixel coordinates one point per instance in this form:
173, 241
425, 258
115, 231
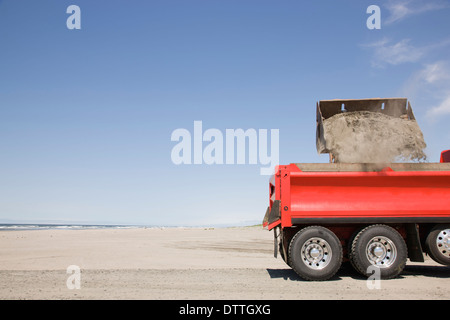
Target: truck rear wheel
438, 244
315, 253
380, 246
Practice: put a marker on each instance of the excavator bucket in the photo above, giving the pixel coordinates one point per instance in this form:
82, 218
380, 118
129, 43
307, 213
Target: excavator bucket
393, 107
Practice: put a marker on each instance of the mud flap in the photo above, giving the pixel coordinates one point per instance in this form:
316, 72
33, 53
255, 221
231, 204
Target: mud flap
272, 220
413, 243
275, 242
272, 217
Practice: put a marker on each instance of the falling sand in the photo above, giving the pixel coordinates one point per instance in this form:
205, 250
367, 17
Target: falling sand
373, 137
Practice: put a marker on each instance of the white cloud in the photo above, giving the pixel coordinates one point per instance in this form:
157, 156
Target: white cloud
386, 52
442, 109
431, 85
436, 79
399, 10
436, 72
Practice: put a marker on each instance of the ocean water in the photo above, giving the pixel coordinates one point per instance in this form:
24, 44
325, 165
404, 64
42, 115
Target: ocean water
12, 226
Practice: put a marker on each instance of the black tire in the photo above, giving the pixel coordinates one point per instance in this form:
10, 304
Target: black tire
315, 253
349, 247
437, 244
381, 246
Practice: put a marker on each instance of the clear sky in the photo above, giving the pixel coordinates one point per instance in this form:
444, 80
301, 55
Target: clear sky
86, 116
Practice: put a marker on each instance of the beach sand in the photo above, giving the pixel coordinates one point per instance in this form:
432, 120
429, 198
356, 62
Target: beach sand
182, 263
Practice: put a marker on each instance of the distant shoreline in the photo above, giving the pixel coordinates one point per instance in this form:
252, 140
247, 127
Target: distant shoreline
48, 226
51, 226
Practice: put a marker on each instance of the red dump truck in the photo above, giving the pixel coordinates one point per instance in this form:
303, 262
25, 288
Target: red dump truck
370, 214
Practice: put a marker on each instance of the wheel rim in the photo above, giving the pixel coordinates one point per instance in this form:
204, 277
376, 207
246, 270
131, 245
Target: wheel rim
443, 242
316, 253
381, 251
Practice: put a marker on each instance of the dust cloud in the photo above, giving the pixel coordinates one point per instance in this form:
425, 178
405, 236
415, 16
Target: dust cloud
373, 137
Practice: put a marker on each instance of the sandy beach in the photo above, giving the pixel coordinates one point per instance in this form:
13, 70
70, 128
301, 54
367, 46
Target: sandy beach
183, 263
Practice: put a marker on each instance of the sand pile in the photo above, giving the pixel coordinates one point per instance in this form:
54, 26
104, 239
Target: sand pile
373, 137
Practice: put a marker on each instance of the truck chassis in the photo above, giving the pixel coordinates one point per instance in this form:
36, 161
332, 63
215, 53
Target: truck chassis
369, 214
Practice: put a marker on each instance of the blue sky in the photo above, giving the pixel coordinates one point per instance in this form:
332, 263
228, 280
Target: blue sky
86, 115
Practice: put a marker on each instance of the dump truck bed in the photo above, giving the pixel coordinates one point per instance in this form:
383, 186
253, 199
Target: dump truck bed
359, 193
372, 167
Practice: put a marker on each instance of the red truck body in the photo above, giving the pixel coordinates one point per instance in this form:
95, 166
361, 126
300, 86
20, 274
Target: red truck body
346, 198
